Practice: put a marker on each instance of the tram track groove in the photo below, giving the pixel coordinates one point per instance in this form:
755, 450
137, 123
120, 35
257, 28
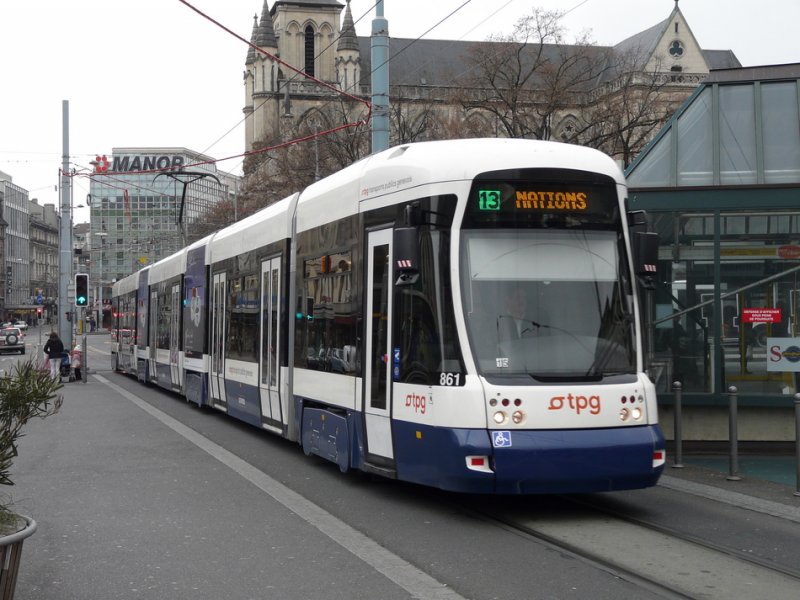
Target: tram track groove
592, 559
665, 562
693, 539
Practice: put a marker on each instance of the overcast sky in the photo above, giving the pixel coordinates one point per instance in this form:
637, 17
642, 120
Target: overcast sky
154, 73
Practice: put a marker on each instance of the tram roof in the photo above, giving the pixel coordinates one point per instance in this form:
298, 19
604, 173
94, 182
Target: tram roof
269, 224
421, 164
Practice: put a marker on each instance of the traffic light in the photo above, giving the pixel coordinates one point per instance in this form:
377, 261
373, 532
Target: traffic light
39, 312
81, 289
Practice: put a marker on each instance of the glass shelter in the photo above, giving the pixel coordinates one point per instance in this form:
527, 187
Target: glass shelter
721, 185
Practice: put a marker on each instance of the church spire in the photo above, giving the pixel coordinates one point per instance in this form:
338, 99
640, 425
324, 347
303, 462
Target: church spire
348, 39
251, 53
266, 32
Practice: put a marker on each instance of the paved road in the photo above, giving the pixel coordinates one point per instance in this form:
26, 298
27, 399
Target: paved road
138, 494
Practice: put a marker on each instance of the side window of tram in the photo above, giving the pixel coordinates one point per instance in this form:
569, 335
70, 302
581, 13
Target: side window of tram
424, 320
327, 315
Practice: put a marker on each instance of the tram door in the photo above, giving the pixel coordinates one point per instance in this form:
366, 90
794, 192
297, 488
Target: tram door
174, 336
377, 372
152, 336
270, 340
217, 366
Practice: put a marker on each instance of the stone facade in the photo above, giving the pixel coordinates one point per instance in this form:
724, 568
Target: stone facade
428, 90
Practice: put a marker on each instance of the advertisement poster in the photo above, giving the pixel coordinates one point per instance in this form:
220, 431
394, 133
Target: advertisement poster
783, 354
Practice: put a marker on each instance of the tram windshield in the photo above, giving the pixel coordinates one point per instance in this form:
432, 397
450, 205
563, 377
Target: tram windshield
550, 300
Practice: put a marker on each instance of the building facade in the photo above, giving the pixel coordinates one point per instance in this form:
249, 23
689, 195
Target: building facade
448, 88
145, 204
16, 246
44, 234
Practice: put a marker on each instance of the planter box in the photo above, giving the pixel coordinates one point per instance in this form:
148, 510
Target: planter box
10, 555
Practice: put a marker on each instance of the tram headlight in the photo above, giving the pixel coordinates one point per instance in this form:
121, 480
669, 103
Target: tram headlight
636, 413
499, 417
624, 414
518, 416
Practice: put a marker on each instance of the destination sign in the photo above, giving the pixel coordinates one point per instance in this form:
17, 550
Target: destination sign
552, 200
543, 198
535, 200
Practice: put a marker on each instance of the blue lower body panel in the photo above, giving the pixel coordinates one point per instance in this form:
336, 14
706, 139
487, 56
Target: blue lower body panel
196, 388
436, 456
141, 370
578, 461
244, 402
163, 377
327, 434
533, 462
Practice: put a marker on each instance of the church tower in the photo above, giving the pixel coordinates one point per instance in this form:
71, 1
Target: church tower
348, 55
261, 82
304, 34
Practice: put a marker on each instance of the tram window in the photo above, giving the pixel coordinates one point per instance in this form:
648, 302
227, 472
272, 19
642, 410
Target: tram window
243, 290
328, 319
164, 318
424, 321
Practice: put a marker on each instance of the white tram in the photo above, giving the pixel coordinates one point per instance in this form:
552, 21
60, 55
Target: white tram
460, 314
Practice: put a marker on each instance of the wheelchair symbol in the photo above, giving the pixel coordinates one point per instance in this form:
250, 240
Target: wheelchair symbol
501, 439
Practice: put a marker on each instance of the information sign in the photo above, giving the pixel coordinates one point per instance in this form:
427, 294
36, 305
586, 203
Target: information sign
761, 315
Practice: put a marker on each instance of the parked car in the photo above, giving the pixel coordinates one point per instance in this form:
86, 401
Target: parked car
21, 325
12, 340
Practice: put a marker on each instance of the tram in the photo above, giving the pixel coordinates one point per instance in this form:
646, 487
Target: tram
459, 314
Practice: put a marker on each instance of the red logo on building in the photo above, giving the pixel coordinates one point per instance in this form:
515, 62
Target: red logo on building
101, 164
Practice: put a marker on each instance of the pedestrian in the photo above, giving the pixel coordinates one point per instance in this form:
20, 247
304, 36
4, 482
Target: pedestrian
77, 356
54, 349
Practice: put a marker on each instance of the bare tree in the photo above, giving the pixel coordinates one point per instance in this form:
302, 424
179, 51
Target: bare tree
627, 111
528, 77
414, 119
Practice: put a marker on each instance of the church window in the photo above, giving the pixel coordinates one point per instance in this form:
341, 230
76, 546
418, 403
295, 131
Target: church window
676, 49
309, 51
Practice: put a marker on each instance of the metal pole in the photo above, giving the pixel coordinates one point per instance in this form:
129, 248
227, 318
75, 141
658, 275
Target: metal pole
85, 350
678, 426
379, 48
733, 429
65, 235
797, 442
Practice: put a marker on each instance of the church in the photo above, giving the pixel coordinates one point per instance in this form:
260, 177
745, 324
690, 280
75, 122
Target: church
522, 85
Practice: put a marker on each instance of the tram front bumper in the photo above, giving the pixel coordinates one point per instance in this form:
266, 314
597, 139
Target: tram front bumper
578, 461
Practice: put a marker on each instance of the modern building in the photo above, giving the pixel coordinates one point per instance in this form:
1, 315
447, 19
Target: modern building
721, 185
145, 204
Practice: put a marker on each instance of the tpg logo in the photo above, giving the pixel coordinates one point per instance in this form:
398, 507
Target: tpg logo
576, 403
418, 402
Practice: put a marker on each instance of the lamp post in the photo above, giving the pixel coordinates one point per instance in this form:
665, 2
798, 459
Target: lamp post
65, 237
99, 277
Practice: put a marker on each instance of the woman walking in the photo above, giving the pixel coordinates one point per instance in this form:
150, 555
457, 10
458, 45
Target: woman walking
54, 349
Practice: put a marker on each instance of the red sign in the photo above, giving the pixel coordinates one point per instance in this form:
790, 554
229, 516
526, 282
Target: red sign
789, 252
761, 315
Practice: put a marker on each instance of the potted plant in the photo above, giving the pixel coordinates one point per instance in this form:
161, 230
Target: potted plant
27, 392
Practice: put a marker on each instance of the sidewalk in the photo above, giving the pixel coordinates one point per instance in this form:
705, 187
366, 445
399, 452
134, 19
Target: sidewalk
766, 484
129, 505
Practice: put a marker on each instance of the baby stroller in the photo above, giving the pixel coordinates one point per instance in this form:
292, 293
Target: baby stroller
65, 370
